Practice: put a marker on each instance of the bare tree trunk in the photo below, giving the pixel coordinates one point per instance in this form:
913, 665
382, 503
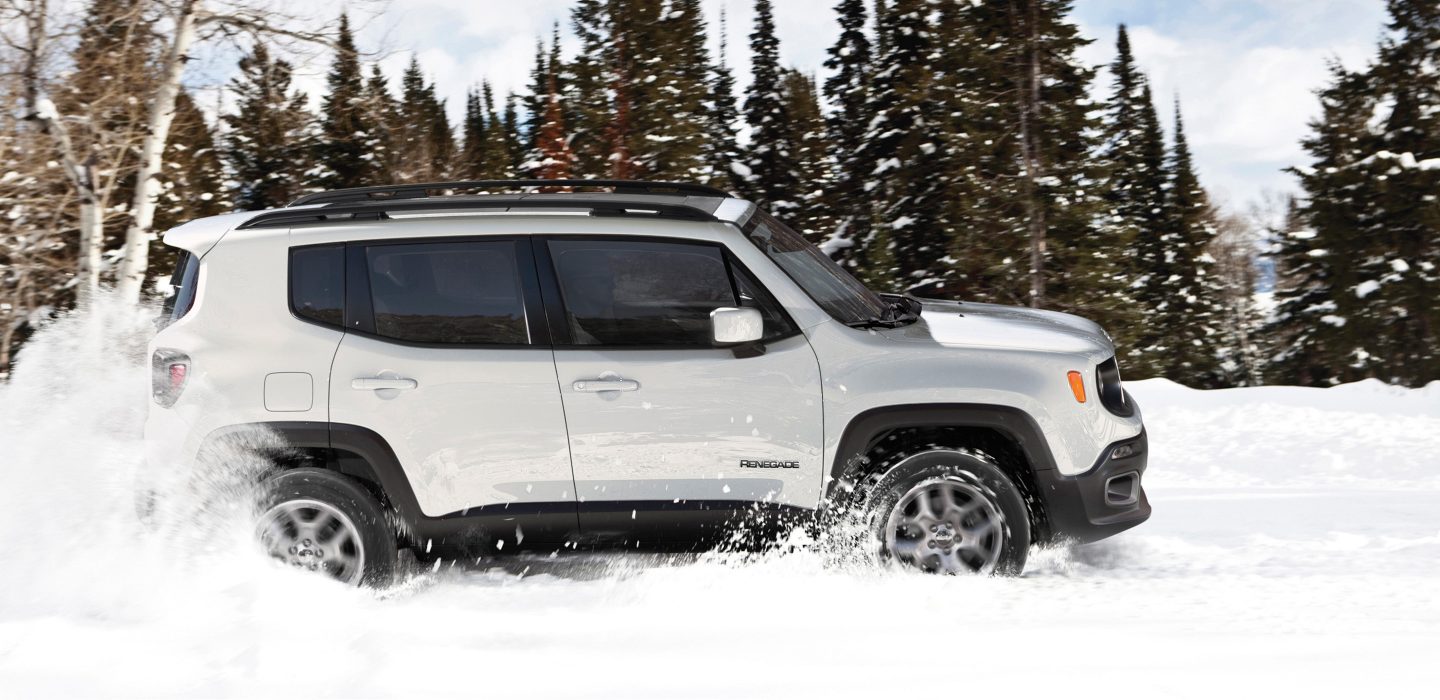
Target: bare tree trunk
135, 255
1028, 95
81, 175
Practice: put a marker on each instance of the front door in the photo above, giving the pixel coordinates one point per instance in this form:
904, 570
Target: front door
441, 361
665, 428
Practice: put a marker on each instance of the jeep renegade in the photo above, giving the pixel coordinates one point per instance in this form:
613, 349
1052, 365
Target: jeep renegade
501, 366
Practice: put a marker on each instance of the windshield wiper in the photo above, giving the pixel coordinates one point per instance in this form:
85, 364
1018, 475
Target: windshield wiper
901, 312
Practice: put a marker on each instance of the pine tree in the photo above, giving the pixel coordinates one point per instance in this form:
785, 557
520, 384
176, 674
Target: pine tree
553, 148
1359, 279
848, 89
1398, 284
1036, 188
805, 140
1135, 191
1191, 318
584, 89
269, 141
382, 111
906, 141
1308, 334
675, 135
721, 149
425, 143
347, 151
192, 178
772, 181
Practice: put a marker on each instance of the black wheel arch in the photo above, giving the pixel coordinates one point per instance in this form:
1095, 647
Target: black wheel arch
1007, 434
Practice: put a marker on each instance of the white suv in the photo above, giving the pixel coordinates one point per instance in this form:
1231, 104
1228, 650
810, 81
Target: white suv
459, 370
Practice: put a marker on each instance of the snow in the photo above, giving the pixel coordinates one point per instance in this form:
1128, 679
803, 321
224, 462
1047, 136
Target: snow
1366, 288
1294, 550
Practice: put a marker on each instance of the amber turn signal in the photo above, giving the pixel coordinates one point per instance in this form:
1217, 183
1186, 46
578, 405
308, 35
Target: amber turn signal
1077, 386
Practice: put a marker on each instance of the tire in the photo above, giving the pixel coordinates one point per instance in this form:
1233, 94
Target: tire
326, 522
944, 511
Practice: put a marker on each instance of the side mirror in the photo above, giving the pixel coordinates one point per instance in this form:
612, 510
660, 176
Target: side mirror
730, 326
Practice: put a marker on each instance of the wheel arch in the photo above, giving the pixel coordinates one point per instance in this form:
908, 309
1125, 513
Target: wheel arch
875, 440
351, 450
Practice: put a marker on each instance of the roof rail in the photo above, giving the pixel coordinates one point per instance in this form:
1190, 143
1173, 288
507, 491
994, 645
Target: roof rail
423, 189
381, 208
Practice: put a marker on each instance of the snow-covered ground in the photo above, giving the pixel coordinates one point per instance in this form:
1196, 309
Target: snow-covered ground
1294, 550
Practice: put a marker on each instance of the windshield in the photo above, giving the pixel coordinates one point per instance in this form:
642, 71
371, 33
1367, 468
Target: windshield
835, 290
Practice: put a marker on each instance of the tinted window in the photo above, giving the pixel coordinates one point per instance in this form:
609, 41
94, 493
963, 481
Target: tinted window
464, 293
317, 283
647, 293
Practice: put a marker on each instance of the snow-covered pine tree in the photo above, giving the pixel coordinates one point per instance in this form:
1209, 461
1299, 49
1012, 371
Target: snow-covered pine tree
907, 141
847, 88
721, 149
584, 81
510, 135
424, 142
1396, 322
772, 181
192, 180
472, 137
1045, 173
269, 140
1132, 154
554, 159
1358, 280
805, 140
383, 113
1313, 255
1142, 221
1192, 318
347, 151
676, 106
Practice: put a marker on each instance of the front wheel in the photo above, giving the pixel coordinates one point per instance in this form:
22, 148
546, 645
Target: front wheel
949, 512
321, 521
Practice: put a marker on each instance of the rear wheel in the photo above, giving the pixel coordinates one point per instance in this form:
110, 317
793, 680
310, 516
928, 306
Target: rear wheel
321, 521
949, 512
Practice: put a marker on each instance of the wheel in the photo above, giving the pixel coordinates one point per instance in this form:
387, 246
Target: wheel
949, 512
326, 522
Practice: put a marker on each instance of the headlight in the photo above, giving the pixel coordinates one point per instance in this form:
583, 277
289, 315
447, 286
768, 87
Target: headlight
1112, 394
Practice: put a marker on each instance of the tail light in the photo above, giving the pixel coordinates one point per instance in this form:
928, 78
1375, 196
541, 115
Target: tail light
169, 371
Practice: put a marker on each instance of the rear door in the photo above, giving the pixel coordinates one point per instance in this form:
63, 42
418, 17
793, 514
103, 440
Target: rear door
446, 357
665, 428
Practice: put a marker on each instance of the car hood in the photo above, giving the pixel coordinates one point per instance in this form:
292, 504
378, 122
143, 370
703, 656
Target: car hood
974, 325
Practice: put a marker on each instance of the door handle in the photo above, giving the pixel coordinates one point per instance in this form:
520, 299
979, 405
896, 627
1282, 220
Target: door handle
606, 384
376, 383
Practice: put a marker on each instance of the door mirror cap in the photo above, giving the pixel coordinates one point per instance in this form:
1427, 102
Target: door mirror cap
732, 326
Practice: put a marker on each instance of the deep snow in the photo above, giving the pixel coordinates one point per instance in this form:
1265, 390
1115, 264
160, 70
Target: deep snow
1295, 548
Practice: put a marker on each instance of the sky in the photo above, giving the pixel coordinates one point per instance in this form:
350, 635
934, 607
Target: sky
1244, 71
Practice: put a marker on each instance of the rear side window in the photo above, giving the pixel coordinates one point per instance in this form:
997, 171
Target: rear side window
317, 284
464, 293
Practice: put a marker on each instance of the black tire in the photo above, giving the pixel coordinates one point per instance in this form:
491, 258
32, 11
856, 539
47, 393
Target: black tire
972, 475
374, 535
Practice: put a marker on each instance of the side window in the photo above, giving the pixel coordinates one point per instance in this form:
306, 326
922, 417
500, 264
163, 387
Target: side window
453, 293
317, 284
643, 293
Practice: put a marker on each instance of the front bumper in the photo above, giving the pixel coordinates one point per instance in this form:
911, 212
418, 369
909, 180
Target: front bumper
1105, 500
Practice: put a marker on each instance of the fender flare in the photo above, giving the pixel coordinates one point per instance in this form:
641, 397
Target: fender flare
1013, 423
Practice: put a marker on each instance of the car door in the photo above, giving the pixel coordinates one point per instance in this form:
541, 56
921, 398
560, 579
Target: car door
446, 357
665, 428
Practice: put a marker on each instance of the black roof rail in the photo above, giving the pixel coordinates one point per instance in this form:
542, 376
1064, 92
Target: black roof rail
423, 189
381, 209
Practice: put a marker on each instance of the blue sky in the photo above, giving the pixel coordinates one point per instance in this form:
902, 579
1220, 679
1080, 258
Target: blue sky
1245, 70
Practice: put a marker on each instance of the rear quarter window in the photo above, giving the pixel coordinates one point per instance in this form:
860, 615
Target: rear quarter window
317, 284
